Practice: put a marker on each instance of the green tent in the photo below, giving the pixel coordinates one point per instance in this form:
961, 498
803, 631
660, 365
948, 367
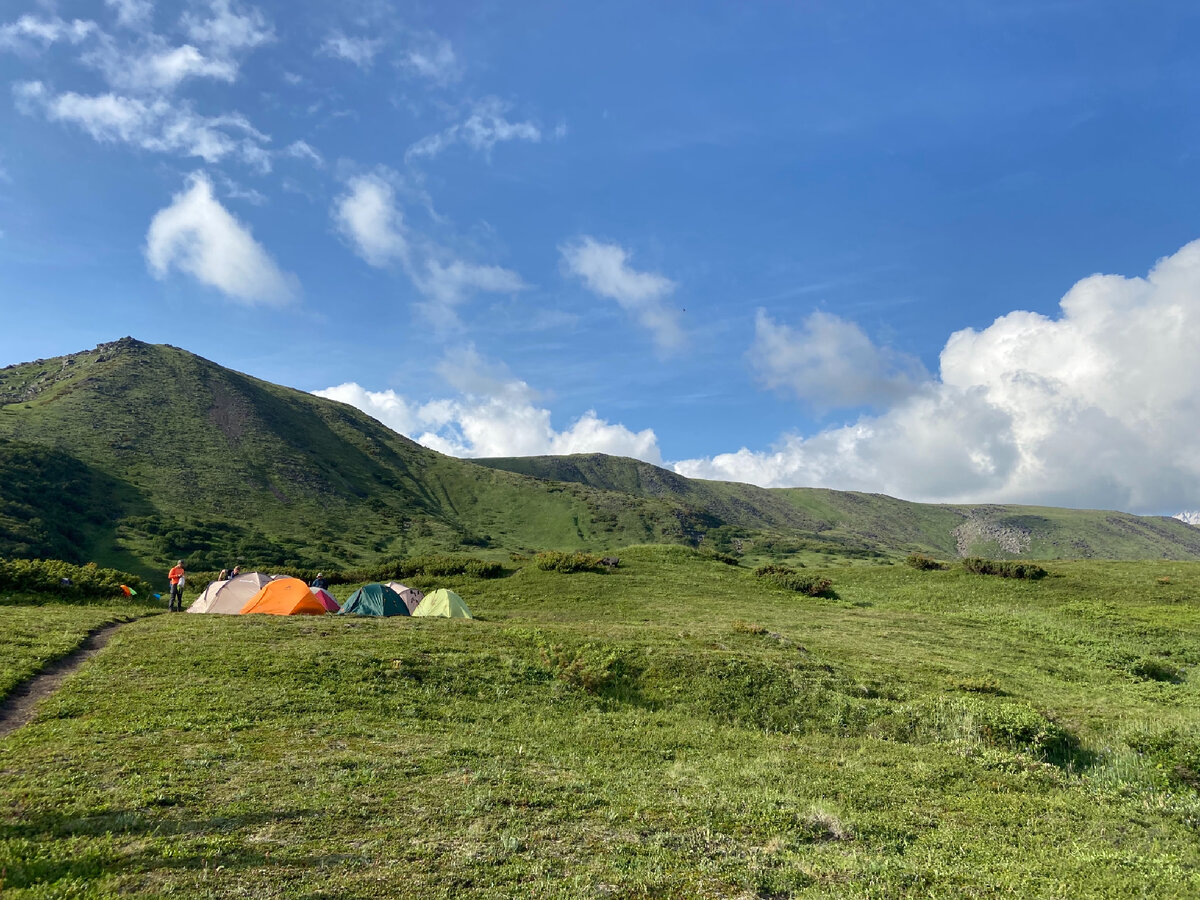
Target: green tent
374, 600
443, 603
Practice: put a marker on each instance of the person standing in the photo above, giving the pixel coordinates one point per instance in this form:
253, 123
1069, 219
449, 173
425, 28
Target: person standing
321, 582
178, 577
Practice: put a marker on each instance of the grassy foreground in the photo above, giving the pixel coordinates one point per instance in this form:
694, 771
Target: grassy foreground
672, 729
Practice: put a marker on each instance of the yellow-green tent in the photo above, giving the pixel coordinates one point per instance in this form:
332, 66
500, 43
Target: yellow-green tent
443, 603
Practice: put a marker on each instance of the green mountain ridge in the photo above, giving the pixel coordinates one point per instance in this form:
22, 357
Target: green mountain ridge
134, 454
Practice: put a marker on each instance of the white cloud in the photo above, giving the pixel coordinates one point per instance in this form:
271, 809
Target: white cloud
226, 29
360, 51
303, 150
157, 70
485, 127
368, 217
434, 60
605, 271
153, 124
133, 14
30, 33
830, 363
197, 235
1096, 407
494, 414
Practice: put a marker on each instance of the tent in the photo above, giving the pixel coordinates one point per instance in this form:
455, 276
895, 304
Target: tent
444, 603
411, 596
375, 600
326, 598
284, 597
230, 596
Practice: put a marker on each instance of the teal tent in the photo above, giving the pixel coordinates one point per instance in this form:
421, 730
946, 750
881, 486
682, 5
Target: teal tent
374, 600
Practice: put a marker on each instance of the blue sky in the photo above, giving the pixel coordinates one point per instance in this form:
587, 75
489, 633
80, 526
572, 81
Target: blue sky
794, 244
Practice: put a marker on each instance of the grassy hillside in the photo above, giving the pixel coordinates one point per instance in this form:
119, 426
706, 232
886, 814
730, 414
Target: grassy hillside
675, 728
177, 456
808, 521
134, 455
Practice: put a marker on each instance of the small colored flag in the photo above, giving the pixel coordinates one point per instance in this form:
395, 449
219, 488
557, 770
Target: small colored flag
129, 592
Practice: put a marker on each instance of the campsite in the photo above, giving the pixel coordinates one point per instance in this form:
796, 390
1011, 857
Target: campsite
675, 727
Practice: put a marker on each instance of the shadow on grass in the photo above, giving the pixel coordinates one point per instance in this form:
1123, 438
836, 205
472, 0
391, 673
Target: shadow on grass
37, 860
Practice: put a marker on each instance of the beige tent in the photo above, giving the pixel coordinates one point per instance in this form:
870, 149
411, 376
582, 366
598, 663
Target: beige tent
230, 596
411, 596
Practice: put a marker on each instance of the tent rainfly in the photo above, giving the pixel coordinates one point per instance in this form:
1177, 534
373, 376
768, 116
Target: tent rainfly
444, 603
229, 596
411, 596
375, 600
285, 597
327, 599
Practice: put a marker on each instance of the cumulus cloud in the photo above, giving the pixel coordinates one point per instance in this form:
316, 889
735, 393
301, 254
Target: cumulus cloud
494, 414
368, 216
830, 363
198, 236
605, 270
485, 127
158, 69
1095, 407
358, 50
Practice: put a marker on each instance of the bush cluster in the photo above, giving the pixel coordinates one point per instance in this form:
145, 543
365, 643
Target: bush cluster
434, 566
558, 561
45, 576
923, 562
1004, 568
790, 579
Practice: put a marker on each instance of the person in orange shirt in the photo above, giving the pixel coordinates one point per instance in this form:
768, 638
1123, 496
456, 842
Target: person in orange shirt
177, 578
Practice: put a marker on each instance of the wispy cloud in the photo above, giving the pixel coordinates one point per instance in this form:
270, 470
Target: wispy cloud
155, 125
198, 236
369, 217
604, 268
358, 50
485, 127
226, 28
31, 33
303, 150
433, 59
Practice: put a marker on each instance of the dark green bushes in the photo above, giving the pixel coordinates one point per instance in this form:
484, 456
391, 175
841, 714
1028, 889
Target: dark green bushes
45, 576
791, 580
923, 562
1006, 568
558, 561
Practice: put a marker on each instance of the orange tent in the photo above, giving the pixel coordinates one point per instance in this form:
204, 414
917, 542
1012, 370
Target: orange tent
284, 597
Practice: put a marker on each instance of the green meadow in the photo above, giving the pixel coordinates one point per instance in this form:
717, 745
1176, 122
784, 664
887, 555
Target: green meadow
673, 728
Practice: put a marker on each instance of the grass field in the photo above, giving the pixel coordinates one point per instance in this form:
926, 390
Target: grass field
675, 728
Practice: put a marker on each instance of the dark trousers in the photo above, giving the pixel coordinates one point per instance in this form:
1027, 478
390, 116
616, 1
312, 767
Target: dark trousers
175, 601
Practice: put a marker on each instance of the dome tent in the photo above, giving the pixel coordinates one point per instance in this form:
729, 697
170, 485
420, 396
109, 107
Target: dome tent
411, 596
327, 599
444, 603
374, 600
284, 597
228, 597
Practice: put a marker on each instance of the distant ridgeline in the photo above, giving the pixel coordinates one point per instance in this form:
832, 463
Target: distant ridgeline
134, 455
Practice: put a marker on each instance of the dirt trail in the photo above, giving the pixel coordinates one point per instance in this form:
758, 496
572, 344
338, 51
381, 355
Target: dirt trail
19, 707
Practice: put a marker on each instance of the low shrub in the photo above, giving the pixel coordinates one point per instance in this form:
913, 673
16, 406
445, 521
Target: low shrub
923, 562
776, 569
558, 561
56, 578
1006, 568
748, 628
1150, 668
791, 580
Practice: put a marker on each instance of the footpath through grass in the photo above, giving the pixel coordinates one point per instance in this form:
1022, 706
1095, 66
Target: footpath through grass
672, 729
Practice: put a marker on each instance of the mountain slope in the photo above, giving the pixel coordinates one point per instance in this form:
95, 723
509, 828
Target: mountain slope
209, 463
842, 519
134, 454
